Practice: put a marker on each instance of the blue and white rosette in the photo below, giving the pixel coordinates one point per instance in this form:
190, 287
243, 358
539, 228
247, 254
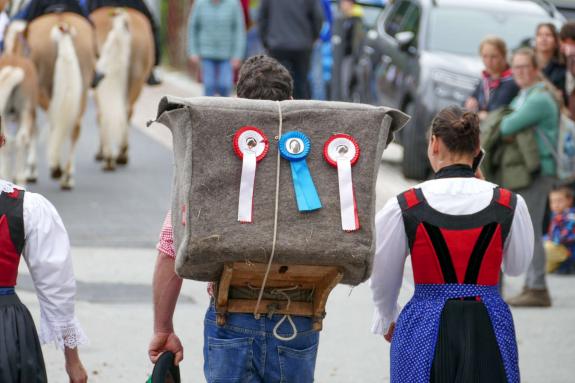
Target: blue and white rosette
295, 147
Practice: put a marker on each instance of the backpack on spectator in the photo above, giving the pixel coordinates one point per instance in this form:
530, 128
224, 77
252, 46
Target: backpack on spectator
564, 151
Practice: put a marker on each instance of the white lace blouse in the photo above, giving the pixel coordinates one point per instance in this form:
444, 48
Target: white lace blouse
47, 254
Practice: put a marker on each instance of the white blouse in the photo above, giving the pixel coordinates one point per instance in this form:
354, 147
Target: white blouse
47, 254
456, 196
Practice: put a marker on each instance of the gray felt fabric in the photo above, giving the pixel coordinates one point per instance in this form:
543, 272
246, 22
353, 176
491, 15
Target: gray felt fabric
207, 179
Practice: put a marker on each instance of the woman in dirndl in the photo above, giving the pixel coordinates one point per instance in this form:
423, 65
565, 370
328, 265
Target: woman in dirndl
460, 231
31, 227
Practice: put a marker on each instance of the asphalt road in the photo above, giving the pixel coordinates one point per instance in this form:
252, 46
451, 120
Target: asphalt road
124, 208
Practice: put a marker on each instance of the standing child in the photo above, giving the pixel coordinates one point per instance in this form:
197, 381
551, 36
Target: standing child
560, 240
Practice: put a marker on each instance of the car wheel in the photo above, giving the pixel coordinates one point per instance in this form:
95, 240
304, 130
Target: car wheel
355, 92
415, 164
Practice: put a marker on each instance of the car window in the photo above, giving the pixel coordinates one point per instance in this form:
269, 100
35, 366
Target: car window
393, 23
460, 30
411, 20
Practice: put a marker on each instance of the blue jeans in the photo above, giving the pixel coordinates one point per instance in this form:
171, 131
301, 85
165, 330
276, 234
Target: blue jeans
245, 350
217, 76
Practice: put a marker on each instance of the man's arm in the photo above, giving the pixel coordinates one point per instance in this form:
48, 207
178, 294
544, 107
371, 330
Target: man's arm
240, 41
166, 289
263, 22
193, 30
316, 18
536, 108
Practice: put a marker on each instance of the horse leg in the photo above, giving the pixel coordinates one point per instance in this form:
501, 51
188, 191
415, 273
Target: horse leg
5, 157
122, 158
54, 145
31, 172
100, 153
67, 181
22, 145
106, 148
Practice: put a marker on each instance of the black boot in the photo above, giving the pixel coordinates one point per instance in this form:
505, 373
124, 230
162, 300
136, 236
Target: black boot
153, 80
98, 76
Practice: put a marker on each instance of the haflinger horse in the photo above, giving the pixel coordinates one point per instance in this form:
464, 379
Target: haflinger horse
126, 47
62, 47
18, 101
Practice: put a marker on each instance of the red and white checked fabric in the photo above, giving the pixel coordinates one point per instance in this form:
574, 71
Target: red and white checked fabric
166, 247
166, 243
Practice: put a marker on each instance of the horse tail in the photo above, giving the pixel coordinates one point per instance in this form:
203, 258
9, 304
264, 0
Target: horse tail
66, 101
14, 31
10, 78
112, 92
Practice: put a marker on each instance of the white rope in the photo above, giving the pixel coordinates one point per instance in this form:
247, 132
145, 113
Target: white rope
286, 316
256, 315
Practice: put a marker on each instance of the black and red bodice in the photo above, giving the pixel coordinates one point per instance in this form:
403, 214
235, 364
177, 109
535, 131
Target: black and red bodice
461, 249
11, 235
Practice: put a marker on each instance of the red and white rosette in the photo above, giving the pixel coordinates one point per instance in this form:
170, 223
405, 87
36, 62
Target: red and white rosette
251, 145
342, 152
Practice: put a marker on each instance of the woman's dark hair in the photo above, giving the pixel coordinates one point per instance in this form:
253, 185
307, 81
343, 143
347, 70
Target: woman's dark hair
458, 129
264, 78
567, 31
557, 53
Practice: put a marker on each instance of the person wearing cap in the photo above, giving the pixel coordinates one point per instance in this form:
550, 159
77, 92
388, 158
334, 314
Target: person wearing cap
30, 227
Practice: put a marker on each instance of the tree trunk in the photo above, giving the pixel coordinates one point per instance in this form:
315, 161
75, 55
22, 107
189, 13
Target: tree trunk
175, 14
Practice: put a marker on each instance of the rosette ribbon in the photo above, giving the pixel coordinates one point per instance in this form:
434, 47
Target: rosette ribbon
294, 147
342, 152
251, 146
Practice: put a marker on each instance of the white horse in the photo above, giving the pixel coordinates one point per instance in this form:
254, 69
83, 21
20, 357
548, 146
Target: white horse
63, 50
126, 59
18, 99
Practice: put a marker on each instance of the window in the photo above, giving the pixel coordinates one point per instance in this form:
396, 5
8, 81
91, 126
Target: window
393, 23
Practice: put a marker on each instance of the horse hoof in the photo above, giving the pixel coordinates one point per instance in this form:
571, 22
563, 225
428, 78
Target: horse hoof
99, 157
109, 165
122, 160
56, 173
67, 183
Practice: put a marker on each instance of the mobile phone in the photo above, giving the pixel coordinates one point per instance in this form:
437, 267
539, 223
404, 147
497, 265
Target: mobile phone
477, 160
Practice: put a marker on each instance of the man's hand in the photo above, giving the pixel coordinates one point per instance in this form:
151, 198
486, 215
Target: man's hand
472, 104
74, 368
389, 336
236, 64
161, 342
195, 60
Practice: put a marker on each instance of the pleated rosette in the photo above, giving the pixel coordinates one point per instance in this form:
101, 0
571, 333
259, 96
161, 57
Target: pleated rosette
295, 147
342, 152
251, 146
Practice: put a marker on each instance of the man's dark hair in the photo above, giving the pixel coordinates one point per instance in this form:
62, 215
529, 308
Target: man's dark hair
567, 31
566, 190
264, 78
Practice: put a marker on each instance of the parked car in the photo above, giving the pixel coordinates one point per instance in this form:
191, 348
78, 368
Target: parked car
422, 55
566, 7
346, 52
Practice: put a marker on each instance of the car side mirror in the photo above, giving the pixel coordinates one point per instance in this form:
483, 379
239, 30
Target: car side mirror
372, 34
404, 39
